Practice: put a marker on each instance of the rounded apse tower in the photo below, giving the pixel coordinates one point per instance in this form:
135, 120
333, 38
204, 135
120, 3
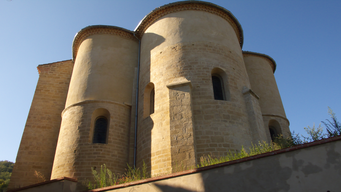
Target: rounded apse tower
96, 119
195, 96
261, 70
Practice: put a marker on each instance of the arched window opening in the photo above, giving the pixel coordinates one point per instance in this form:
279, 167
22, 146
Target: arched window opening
152, 101
220, 84
273, 133
218, 87
100, 130
274, 129
149, 100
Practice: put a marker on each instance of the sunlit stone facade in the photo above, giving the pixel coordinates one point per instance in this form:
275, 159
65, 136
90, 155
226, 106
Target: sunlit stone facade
180, 79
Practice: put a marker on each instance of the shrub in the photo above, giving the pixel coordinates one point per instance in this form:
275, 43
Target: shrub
105, 177
261, 147
333, 126
315, 134
6, 168
283, 142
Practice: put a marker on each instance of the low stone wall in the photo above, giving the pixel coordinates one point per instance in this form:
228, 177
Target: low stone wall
310, 167
64, 184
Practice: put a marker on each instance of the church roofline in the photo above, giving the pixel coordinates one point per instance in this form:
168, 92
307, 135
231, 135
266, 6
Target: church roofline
270, 59
98, 29
159, 12
153, 16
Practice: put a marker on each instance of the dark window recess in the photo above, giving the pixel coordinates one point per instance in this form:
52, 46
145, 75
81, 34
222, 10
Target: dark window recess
152, 101
273, 133
218, 89
100, 131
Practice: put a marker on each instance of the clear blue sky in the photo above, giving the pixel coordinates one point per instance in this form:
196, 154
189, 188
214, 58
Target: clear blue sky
303, 37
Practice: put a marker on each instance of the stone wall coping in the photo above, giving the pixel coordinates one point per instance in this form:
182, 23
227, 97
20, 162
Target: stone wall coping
43, 183
39, 67
198, 170
56, 62
270, 59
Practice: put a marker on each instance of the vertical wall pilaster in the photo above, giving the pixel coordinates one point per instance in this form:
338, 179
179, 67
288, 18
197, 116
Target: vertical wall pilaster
254, 116
181, 126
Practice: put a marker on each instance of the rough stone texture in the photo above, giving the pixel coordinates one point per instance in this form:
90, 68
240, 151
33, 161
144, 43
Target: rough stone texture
39, 140
258, 133
181, 127
76, 154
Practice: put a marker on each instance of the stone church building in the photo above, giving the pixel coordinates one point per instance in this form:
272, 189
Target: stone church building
176, 88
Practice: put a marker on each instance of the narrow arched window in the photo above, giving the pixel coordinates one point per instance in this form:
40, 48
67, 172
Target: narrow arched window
149, 100
152, 101
273, 133
100, 130
274, 129
218, 87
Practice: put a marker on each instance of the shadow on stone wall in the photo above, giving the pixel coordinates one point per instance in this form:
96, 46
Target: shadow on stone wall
309, 167
168, 188
146, 124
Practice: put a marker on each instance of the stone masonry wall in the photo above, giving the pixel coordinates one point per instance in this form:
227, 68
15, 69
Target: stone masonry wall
181, 127
76, 154
38, 144
260, 69
194, 45
255, 117
219, 126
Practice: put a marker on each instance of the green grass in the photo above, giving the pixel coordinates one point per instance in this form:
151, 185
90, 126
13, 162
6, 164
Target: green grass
261, 147
105, 177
